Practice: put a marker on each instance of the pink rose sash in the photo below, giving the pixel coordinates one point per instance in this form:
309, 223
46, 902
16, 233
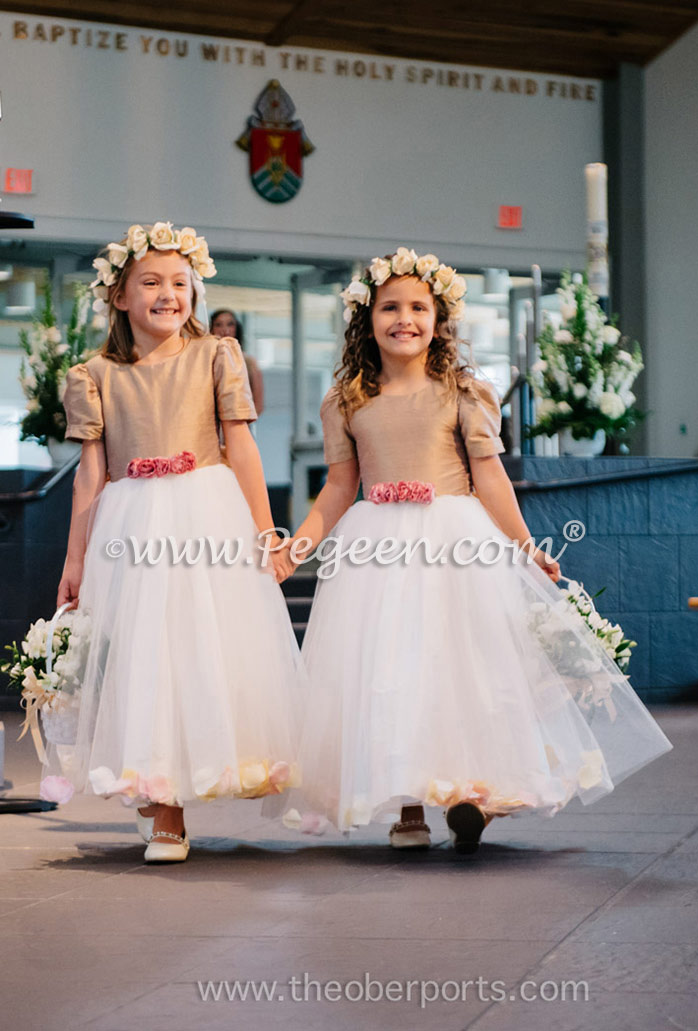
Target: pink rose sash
403, 490
145, 468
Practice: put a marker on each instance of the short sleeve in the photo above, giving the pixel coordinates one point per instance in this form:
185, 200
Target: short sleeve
232, 384
480, 419
83, 405
340, 446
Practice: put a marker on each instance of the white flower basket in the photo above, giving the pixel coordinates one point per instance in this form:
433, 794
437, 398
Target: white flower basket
59, 718
60, 723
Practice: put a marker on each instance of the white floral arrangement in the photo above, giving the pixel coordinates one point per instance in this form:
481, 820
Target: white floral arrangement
584, 376
443, 280
46, 360
616, 644
138, 241
49, 689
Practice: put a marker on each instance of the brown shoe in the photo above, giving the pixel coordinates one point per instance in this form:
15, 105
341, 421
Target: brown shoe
410, 831
466, 822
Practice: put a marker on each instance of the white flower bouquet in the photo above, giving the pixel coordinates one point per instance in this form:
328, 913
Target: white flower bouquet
47, 667
583, 378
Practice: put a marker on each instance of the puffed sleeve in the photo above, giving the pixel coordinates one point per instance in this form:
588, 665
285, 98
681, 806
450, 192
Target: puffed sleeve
232, 384
339, 443
480, 419
83, 405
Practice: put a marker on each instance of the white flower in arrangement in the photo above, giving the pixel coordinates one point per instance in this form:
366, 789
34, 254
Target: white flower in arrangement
426, 265
611, 335
540, 366
563, 336
562, 378
404, 261
53, 335
563, 408
117, 255
579, 390
62, 349
163, 237
627, 397
381, 271
611, 404
568, 310
545, 407
624, 356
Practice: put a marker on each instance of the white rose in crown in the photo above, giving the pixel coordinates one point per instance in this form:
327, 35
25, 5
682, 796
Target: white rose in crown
456, 290
117, 254
163, 237
443, 278
427, 264
381, 271
188, 240
404, 262
137, 241
357, 293
105, 274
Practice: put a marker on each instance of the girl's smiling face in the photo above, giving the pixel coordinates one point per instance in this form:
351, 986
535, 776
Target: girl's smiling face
157, 294
403, 318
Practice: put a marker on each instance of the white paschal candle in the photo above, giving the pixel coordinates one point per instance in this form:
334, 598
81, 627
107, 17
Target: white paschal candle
597, 198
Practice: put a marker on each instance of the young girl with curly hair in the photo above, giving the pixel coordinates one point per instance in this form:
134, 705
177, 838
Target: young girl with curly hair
446, 667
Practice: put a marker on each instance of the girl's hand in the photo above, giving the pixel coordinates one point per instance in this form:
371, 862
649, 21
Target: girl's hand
69, 587
549, 566
281, 560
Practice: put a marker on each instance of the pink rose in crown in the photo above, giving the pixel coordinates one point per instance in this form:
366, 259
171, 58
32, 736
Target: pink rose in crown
404, 490
146, 468
163, 466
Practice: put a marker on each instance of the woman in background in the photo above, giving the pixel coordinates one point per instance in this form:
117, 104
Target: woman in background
225, 323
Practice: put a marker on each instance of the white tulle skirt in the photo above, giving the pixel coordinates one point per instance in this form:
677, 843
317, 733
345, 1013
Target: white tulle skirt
190, 685
444, 682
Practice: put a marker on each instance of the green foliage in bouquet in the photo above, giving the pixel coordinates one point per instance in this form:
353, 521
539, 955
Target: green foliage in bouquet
48, 358
583, 378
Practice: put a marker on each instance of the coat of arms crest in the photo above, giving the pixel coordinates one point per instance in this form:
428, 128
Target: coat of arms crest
277, 143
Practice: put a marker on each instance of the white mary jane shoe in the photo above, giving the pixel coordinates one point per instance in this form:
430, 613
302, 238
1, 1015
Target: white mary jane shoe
174, 850
145, 826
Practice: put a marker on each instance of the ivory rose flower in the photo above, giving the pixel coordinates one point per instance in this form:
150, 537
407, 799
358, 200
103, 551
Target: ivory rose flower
117, 255
357, 293
443, 277
104, 271
381, 271
404, 261
456, 290
188, 240
610, 335
163, 237
427, 264
137, 241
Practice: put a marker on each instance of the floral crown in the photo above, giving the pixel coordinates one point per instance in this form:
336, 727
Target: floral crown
139, 240
442, 279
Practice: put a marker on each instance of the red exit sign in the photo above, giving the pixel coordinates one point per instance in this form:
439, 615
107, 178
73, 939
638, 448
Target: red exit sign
18, 180
510, 217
